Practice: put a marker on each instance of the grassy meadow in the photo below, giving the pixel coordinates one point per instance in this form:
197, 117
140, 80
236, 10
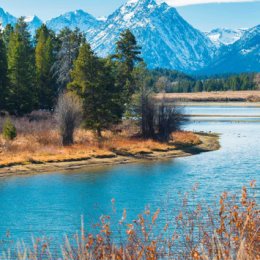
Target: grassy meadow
249, 96
38, 141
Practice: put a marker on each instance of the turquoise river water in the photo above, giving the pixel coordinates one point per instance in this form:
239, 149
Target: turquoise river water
52, 204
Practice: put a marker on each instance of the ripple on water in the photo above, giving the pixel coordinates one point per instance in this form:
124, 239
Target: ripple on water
52, 204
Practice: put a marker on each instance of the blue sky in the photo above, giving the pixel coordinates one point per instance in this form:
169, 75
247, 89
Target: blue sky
202, 16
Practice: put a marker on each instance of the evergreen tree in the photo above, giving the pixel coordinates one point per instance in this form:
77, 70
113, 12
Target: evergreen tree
198, 86
44, 60
3, 74
127, 55
7, 33
69, 44
93, 81
21, 98
127, 50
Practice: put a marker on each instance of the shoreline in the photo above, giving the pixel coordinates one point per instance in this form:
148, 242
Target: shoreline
209, 142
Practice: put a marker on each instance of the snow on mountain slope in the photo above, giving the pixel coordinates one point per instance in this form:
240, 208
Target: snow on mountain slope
224, 36
77, 19
6, 18
242, 56
167, 40
34, 23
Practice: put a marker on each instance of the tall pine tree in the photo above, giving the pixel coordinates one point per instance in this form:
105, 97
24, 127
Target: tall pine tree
127, 55
7, 33
44, 60
22, 96
3, 74
93, 81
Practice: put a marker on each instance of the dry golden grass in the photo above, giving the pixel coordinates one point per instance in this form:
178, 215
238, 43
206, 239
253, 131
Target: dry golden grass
36, 143
221, 96
185, 138
46, 147
134, 146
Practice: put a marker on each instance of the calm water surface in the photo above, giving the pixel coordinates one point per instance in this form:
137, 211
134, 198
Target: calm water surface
52, 204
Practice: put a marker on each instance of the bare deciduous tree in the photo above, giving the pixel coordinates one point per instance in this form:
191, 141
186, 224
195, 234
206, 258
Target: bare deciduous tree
68, 114
159, 120
169, 120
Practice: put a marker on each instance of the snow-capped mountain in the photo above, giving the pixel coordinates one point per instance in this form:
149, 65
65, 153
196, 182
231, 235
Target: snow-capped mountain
224, 36
6, 18
242, 56
77, 19
167, 40
34, 23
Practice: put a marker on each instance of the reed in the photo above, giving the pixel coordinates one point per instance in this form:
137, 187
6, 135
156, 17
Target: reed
229, 232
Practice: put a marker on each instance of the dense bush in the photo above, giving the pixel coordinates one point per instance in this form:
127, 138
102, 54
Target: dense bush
169, 120
9, 130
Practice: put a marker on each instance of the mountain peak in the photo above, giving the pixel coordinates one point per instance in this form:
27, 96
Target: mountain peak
33, 18
6, 18
140, 2
136, 13
137, 6
225, 36
79, 11
167, 40
78, 18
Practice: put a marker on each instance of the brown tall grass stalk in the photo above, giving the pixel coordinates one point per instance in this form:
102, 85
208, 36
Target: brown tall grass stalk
230, 232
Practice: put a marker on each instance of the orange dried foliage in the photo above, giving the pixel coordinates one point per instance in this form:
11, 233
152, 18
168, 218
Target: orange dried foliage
185, 138
39, 142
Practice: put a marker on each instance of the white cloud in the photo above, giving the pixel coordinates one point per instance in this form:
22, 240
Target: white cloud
194, 2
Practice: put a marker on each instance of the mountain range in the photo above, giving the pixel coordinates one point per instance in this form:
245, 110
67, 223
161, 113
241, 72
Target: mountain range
225, 36
242, 56
167, 40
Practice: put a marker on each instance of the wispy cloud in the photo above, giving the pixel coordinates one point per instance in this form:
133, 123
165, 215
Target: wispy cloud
193, 2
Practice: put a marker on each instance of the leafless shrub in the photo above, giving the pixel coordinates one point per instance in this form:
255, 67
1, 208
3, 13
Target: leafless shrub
68, 114
159, 121
169, 120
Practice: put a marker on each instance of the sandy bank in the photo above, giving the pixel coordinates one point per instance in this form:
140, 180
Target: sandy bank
209, 142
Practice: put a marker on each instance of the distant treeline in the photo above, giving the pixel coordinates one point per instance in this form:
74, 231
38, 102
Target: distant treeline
176, 82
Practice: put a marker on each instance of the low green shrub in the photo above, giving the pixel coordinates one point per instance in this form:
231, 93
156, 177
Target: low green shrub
9, 130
